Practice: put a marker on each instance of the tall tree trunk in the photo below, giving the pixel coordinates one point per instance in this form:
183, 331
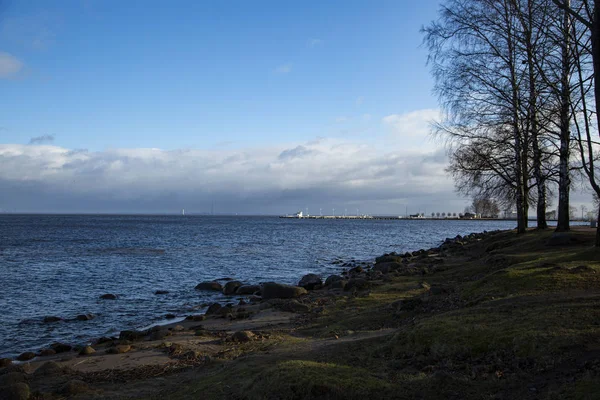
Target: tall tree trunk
596, 60
564, 182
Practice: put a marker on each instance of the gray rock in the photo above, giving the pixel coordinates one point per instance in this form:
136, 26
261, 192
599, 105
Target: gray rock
49, 368
272, 290
357, 283
74, 387
132, 335
340, 284
87, 350
242, 336
332, 278
212, 285
231, 287
311, 282
5, 362
213, 309
108, 296
28, 355
46, 352
18, 391
84, 317
247, 289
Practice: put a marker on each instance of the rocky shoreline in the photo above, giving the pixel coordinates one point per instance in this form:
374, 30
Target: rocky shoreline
257, 312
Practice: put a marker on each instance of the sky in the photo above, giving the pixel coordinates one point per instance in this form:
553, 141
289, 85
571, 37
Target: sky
257, 107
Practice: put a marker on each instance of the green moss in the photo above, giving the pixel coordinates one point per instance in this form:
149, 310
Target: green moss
297, 379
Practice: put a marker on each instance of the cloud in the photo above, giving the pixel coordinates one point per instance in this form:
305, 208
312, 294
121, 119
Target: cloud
341, 119
10, 66
412, 124
276, 179
284, 69
315, 42
41, 139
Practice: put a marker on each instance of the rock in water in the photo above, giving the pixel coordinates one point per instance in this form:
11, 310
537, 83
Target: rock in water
272, 290
50, 319
18, 391
213, 285
231, 287
109, 296
161, 292
5, 362
28, 355
84, 317
213, 309
247, 289
311, 282
61, 347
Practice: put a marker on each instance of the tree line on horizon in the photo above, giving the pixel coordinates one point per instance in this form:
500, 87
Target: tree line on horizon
516, 81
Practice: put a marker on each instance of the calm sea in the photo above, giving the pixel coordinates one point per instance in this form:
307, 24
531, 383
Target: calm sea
59, 265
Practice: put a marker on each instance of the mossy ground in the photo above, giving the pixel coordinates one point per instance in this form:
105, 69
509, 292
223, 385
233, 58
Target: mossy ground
517, 319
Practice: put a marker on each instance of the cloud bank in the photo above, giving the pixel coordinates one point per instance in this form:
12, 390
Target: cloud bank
324, 173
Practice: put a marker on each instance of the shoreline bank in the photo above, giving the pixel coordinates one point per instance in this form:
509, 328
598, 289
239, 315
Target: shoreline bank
401, 317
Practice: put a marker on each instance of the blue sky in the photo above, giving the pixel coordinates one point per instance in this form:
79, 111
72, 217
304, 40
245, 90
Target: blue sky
104, 74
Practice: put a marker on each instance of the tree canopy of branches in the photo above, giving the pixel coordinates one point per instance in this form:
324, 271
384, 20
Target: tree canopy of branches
515, 79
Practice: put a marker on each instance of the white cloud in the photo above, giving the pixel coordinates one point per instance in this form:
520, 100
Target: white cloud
324, 171
412, 124
9, 65
341, 119
284, 69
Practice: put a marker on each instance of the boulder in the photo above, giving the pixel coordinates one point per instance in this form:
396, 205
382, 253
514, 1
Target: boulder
50, 319
47, 352
86, 351
387, 267
213, 309
74, 387
11, 378
212, 285
108, 296
332, 278
5, 362
18, 391
341, 284
357, 284
247, 289
272, 290
311, 282
49, 369
356, 270
242, 336
132, 335
61, 347
84, 317
170, 316
195, 318
231, 287
28, 355
119, 349
161, 292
